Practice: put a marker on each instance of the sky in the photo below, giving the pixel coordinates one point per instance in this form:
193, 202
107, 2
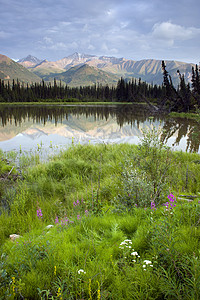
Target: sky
133, 29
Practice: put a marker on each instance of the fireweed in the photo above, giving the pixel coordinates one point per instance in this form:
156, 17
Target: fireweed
63, 221
66, 221
153, 206
171, 204
39, 213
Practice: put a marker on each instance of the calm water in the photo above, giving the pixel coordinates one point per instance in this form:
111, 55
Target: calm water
31, 127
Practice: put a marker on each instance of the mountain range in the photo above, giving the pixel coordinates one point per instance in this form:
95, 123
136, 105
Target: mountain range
82, 69
10, 70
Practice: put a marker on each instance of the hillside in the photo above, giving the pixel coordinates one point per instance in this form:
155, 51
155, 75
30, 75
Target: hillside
148, 70
84, 75
10, 70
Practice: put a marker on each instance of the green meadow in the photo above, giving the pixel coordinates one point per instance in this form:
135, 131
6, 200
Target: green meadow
125, 223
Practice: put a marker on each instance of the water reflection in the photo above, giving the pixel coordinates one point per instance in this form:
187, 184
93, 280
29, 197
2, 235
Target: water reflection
190, 129
26, 126
42, 114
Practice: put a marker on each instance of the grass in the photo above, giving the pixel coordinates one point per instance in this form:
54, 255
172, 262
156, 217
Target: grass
193, 116
66, 102
108, 241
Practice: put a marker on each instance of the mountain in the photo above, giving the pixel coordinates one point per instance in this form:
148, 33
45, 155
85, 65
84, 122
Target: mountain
29, 61
149, 70
47, 67
10, 70
84, 75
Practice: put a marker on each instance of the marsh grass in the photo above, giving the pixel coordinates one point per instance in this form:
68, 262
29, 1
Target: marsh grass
84, 193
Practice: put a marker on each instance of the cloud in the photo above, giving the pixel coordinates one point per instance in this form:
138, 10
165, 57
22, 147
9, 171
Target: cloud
170, 31
134, 29
4, 34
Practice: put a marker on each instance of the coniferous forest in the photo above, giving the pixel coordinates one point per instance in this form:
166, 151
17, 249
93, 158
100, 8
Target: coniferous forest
184, 98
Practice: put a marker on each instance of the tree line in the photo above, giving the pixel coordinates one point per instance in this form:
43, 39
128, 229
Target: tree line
184, 98
125, 91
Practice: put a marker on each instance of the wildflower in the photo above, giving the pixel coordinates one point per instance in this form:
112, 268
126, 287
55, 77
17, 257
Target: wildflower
74, 203
78, 217
134, 253
89, 289
39, 213
59, 296
55, 270
56, 220
77, 202
86, 212
147, 263
13, 285
111, 258
123, 243
98, 292
81, 271
171, 197
153, 206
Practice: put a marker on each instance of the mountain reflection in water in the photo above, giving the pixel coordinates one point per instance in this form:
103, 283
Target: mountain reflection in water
27, 126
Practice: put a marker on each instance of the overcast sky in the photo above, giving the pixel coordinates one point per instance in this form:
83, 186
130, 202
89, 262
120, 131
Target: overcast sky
134, 29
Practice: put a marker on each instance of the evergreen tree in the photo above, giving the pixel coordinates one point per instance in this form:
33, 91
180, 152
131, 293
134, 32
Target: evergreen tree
121, 90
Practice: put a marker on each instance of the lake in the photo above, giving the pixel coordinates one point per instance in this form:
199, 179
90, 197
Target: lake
32, 127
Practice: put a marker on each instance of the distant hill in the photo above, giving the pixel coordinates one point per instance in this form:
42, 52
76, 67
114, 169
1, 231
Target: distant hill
10, 70
148, 70
84, 75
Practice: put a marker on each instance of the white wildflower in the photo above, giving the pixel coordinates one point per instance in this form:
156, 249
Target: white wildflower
134, 253
123, 243
129, 241
81, 271
147, 262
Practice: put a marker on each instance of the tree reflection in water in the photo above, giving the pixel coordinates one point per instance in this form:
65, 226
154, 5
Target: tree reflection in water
182, 127
134, 115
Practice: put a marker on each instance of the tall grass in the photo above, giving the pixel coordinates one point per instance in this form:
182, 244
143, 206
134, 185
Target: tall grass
114, 236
